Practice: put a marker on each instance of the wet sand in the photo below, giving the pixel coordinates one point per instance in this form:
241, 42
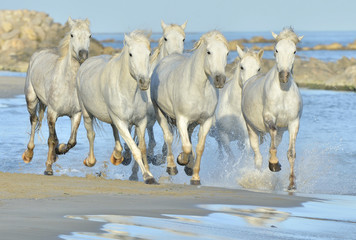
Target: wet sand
34, 206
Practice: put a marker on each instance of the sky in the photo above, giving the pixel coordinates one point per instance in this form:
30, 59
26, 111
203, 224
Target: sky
117, 16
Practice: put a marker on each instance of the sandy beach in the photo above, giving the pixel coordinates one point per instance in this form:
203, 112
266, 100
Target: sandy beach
35, 206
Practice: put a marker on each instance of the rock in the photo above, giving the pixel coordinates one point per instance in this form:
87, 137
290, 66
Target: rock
29, 33
7, 26
13, 34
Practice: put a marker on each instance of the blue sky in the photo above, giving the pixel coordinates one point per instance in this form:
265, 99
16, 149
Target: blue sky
109, 16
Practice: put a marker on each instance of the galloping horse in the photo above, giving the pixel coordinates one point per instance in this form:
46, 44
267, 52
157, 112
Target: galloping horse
50, 82
273, 104
111, 89
183, 93
229, 123
172, 41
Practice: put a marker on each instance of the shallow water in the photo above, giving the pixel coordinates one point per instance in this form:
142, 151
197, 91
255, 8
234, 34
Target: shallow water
326, 156
331, 218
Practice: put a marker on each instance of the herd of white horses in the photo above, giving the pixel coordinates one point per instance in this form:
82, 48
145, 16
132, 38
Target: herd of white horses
180, 91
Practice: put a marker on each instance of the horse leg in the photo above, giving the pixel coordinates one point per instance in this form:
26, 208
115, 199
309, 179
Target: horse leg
254, 142
183, 157
126, 135
88, 123
203, 132
116, 157
273, 164
52, 141
140, 133
127, 152
64, 148
168, 139
32, 101
188, 169
293, 129
225, 142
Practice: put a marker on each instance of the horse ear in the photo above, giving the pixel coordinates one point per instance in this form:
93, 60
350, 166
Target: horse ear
260, 53
184, 25
300, 38
87, 21
163, 25
274, 35
70, 21
239, 51
126, 38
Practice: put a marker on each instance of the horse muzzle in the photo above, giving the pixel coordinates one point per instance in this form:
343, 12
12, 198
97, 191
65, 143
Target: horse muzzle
83, 55
143, 83
283, 76
219, 80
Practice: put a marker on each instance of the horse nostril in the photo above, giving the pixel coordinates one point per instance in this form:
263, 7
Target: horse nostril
83, 54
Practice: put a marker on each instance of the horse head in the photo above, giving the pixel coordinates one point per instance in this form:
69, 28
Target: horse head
79, 38
173, 38
249, 64
284, 52
138, 51
216, 52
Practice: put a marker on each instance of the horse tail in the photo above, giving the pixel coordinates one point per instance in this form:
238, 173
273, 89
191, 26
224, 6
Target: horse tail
40, 110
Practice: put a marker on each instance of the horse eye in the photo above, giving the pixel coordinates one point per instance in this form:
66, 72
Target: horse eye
276, 51
259, 70
208, 52
242, 68
227, 54
71, 35
183, 39
130, 54
165, 39
90, 36
295, 52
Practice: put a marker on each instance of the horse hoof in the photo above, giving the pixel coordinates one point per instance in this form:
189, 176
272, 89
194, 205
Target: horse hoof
275, 167
180, 158
158, 160
195, 182
172, 170
86, 163
116, 161
133, 178
127, 160
188, 171
48, 172
151, 180
61, 149
292, 187
27, 157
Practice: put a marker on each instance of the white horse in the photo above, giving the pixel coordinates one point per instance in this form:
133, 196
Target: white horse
172, 41
183, 93
50, 82
112, 89
229, 123
273, 104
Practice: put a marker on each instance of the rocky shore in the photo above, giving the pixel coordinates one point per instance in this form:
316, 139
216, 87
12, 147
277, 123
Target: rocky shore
22, 32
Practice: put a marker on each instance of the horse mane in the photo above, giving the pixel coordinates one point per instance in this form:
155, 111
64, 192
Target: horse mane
63, 48
203, 39
288, 33
157, 50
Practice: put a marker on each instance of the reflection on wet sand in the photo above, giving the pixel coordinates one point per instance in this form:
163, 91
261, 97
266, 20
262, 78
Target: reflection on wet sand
217, 225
